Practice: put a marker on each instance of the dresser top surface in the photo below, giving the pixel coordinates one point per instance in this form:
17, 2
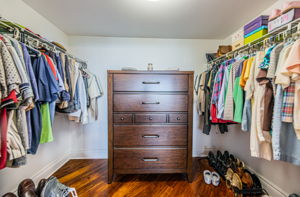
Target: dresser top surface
150, 72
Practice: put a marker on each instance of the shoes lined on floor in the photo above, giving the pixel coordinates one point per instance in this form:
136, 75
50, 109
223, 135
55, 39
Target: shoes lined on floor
234, 172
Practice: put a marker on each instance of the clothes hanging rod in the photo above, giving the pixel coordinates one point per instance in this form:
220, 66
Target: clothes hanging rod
283, 29
4, 21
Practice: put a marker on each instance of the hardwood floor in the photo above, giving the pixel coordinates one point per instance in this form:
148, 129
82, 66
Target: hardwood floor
89, 177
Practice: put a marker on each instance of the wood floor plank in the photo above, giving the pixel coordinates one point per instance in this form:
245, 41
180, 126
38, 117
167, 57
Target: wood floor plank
89, 177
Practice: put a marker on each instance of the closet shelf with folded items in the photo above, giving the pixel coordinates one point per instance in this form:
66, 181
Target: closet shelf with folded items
37, 79
259, 88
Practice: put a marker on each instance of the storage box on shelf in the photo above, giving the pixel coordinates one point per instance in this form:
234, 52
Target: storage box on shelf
237, 44
255, 34
285, 18
256, 29
237, 39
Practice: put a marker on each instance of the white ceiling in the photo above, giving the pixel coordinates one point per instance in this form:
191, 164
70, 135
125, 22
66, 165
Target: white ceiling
207, 19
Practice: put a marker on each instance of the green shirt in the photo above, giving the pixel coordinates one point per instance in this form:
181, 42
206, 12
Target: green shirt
46, 133
238, 97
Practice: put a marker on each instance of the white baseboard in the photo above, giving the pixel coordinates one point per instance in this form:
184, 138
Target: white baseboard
48, 170
271, 188
203, 152
89, 154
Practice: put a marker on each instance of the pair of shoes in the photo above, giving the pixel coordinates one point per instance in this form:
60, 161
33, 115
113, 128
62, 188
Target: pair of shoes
54, 188
27, 189
211, 177
46, 188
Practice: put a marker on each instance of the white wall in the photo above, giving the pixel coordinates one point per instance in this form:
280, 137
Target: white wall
104, 53
51, 155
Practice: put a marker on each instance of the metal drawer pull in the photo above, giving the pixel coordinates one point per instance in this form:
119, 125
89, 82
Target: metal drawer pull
151, 82
150, 136
154, 103
122, 118
178, 118
150, 159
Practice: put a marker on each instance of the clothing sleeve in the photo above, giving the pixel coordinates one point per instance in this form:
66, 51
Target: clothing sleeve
293, 61
94, 90
282, 74
242, 81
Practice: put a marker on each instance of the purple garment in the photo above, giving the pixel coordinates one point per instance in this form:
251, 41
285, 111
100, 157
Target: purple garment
33, 84
239, 70
30, 72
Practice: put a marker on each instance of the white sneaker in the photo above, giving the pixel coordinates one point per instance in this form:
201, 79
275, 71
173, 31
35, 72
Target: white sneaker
215, 178
207, 176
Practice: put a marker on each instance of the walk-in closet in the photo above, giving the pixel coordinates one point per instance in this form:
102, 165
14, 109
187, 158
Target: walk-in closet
149, 98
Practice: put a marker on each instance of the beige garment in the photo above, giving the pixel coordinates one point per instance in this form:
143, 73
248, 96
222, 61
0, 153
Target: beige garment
74, 75
15, 149
63, 63
94, 92
260, 142
201, 95
229, 103
64, 104
249, 86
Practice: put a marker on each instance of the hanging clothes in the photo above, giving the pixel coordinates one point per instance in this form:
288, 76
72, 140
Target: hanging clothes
262, 92
34, 85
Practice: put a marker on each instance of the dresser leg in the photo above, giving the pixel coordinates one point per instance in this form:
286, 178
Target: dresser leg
110, 178
190, 177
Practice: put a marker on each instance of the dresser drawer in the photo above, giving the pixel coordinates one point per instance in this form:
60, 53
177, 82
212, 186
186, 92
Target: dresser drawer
123, 118
150, 158
150, 102
150, 118
150, 82
146, 135
178, 118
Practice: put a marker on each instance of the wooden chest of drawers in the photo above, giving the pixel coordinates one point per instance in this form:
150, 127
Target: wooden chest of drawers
150, 122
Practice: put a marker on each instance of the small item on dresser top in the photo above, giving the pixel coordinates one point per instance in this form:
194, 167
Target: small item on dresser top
169, 69
150, 67
129, 68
